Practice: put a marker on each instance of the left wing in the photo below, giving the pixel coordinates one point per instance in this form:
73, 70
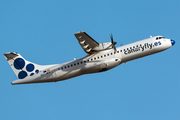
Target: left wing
86, 42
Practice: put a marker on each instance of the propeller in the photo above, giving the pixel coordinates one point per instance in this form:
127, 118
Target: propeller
113, 43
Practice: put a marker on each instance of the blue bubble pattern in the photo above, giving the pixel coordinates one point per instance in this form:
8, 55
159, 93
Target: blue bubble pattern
37, 71
22, 75
19, 63
30, 67
31, 74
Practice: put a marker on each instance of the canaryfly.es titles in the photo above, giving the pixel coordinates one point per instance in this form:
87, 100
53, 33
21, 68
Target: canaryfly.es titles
141, 47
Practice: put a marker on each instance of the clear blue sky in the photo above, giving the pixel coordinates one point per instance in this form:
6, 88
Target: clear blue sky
43, 32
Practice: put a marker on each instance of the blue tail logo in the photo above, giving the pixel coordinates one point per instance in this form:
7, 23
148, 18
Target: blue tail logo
20, 64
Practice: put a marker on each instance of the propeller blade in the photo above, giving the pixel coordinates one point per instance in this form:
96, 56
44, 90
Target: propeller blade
114, 48
113, 43
111, 36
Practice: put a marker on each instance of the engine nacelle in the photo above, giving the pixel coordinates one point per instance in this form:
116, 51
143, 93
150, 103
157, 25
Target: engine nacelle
103, 46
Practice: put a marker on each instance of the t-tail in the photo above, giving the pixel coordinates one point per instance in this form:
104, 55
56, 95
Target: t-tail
23, 69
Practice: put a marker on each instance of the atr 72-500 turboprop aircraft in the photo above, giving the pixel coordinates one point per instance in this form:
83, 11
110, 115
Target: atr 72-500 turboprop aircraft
101, 57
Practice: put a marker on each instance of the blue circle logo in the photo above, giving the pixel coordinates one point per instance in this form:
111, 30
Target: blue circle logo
30, 67
22, 75
37, 71
19, 63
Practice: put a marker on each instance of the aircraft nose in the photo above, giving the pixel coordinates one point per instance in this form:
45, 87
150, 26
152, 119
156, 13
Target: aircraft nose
172, 42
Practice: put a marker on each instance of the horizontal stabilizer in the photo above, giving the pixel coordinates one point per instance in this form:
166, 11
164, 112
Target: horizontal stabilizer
10, 55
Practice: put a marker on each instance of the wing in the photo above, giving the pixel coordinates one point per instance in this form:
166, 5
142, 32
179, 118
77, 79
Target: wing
86, 42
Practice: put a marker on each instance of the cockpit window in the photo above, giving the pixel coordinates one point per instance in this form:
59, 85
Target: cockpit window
157, 38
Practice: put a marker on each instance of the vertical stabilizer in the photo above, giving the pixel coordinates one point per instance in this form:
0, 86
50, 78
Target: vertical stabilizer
21, 67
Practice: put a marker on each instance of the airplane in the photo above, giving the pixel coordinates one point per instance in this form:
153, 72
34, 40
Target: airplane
100, 57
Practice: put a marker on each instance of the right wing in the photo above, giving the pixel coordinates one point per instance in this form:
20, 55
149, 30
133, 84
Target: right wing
86, 42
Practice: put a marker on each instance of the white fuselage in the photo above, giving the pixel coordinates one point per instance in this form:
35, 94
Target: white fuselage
98, 62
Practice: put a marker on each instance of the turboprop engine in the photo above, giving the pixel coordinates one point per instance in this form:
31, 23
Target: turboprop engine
103, 46
90, 46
